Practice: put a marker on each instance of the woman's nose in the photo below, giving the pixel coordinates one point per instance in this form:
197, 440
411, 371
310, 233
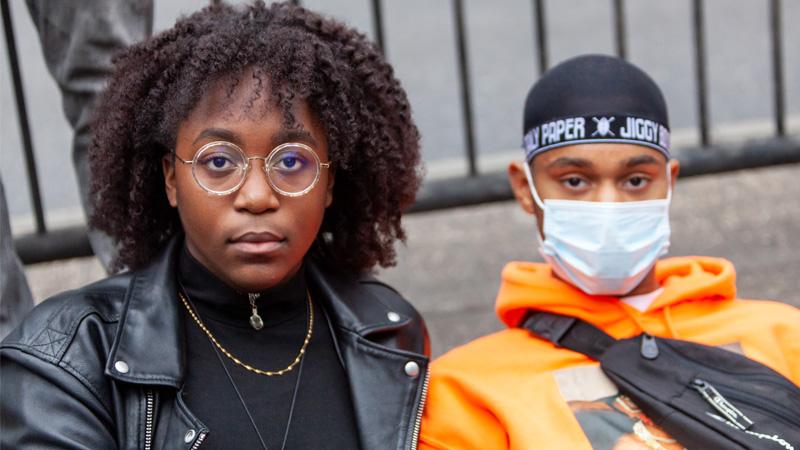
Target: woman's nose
256, 194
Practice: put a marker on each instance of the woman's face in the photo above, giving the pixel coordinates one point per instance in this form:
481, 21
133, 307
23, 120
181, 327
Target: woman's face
253, 238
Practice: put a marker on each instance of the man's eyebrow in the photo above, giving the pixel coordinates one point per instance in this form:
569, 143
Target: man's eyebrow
218, 133
639, 160
565, 161
293, 135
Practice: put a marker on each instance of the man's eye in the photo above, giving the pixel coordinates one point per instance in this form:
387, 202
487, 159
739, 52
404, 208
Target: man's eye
574, 182
636, 182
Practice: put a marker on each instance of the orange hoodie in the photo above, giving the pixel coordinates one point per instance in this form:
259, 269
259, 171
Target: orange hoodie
513, 390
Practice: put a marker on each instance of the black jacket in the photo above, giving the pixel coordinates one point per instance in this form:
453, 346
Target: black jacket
101, 367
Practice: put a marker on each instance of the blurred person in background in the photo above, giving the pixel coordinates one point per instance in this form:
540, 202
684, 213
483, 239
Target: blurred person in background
79, 38
15, 295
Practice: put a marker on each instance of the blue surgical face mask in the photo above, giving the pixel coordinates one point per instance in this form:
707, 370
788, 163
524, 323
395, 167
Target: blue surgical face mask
603, 248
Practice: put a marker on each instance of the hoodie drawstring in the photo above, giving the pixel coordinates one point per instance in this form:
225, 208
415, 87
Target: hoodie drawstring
670, 324
631, 316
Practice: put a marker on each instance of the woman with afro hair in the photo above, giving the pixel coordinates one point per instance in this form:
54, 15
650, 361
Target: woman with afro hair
252, 164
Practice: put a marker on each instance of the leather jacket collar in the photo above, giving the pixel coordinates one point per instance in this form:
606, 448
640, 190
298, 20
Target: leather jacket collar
150, 342
379, 337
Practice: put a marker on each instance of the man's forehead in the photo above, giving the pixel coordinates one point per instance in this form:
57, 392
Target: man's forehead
588, 155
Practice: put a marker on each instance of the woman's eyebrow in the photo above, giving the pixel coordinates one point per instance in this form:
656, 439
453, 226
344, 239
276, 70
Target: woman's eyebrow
218, 133
293, 135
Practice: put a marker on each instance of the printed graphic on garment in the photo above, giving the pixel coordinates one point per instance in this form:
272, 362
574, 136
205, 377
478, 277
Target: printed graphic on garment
610, 420
599, 128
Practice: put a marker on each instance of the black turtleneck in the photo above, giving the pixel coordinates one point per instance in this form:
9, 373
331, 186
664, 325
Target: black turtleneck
323, 413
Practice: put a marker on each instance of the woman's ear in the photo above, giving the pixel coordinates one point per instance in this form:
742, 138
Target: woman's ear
168, 166
519, 186
329, 188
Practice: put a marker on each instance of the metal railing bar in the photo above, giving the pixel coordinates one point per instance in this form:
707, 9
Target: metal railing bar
377, 25
777, 67
618, 7
61, 243
541, 34
466, 92
700, 70
22, 115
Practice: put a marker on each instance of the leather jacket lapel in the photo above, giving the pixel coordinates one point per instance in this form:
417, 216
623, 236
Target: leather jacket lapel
387, 384
149, 343
387, 397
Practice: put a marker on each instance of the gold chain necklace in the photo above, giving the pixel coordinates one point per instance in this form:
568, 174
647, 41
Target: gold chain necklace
269, 373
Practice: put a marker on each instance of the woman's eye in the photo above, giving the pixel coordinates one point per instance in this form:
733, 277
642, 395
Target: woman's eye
218, 162
290, 162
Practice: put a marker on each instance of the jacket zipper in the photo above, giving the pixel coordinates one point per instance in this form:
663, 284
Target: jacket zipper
420, 410
149, 419
751, 376
200, 438
757, 402
721, 404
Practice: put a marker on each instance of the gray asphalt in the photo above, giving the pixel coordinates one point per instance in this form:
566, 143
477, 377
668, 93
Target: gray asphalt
421, 46
450, 266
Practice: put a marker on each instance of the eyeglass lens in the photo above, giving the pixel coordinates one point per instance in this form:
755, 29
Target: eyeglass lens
222, 168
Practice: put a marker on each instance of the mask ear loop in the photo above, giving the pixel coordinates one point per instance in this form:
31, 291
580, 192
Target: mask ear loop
539, 202
669, 183
535, 194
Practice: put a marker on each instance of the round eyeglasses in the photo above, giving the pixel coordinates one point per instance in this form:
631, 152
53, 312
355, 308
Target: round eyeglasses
220, 168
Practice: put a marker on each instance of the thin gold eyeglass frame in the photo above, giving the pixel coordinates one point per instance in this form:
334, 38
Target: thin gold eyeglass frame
320, 165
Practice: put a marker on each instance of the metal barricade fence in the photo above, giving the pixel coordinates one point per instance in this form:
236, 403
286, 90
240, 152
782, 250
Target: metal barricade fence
475, 187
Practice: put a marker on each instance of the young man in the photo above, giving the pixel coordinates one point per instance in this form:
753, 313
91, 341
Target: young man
598, 177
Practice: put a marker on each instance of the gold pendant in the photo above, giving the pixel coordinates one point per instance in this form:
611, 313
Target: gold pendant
255, 319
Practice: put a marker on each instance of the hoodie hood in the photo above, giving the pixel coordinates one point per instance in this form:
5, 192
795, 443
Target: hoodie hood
527, 285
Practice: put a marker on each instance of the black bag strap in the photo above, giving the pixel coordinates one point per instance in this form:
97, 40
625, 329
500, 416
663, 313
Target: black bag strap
568, 332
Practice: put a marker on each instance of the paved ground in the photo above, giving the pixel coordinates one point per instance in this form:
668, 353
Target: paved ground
451, 265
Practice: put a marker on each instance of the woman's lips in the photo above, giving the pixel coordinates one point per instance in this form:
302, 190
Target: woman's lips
258, 243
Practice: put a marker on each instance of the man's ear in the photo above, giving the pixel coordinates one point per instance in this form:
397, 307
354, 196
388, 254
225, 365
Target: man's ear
519, 186
329, 188
674, 170
168, 167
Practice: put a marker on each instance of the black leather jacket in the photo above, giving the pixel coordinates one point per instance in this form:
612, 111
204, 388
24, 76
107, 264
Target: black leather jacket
101, 367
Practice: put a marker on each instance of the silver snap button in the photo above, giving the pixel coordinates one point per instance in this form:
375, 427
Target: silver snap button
393, 316
121, 367
412, 369
189, 436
